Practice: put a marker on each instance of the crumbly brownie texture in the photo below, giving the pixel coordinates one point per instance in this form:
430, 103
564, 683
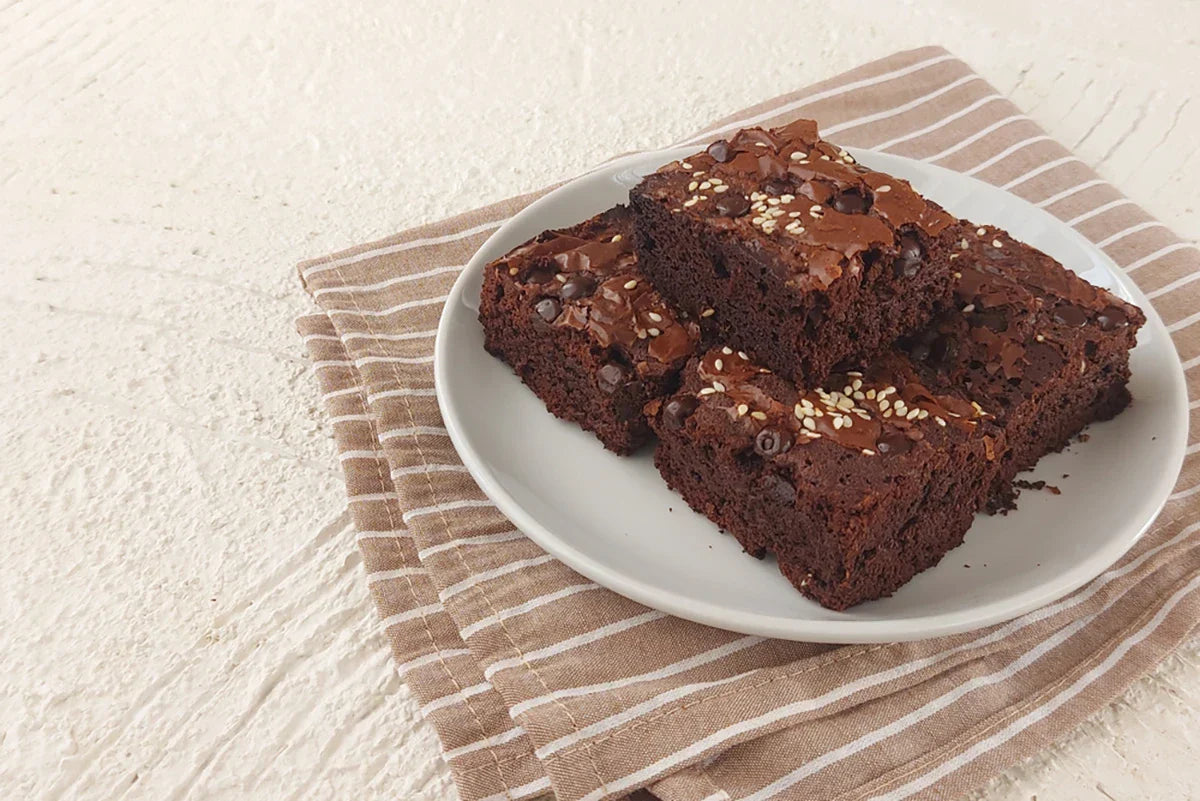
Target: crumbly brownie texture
854, 488
799, 255
573, 316
1042, 348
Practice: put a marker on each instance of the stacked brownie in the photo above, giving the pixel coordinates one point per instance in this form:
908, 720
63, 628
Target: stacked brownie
838, 372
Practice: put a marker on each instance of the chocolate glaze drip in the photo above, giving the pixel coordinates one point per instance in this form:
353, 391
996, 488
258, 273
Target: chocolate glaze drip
591, 283
880, 411
796, 193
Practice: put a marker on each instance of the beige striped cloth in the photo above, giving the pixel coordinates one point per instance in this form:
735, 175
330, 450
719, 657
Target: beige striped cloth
539, 682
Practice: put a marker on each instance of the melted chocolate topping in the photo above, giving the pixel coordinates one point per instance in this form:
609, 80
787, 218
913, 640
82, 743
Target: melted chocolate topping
587, 278
881, 411
804, 198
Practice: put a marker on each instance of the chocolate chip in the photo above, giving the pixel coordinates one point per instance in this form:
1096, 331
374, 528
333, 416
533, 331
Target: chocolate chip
778, 489
610, 376
678, 410
908, 261
1112, 317
732, 205
851, 201
1072, 316
548, 309
777, 187
893, 444
580, 285
773, 441
720, 151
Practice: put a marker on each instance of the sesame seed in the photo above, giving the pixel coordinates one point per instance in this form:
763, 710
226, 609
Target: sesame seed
996, 243
721, 188
870, 394
616, 238
708, 312
692, 186
846, 390
970, 307
817, 412
923, 413
707, 391
854, 374
774, 201
787, 197
954, 256
655, 316
697, 173
837, 423
964, 244
798, 410
804, 161
859, 396
824, 158
868, 452
758, 220
845, 404
940, 422
742, 355
815, 207
1040, 338
691, 202
654, 332
856, 383
957, 274
758, 415
760, 144
742, 409
806, 403
562, 279
685, 165
888, 413
716, 181
884, 403
641, 334
981, 232
809, 423
720, 365
706, 185
704, 197
848, 159
797, 155
847, 421
631, 284
757, 195
728, 351
718, 386
513, 271
912, 414
1082, 367
879, 190
793, 214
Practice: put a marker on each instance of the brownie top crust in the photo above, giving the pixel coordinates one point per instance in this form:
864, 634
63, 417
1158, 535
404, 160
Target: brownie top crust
1019, 317
881, 411
586, 278
806, 203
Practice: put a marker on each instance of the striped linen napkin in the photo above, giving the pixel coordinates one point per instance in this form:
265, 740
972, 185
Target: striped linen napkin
539, 682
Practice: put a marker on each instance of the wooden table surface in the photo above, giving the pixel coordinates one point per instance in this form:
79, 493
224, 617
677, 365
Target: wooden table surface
181, 604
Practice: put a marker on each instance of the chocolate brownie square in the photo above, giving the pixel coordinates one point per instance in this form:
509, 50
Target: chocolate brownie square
572, 314
799, 255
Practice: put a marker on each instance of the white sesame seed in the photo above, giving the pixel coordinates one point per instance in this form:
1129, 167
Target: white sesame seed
996, 243
685, 165
631, 284
1082, 367
716, 181
793, 214
721, 188
787, 197
513, 271
562, 279
742, 355
707, 391
728, 351
870, 394
720, 365
718, 386
798, 410
774, 201
940, 422
879, 190
856, 383
809, 423
846, 390
837, 423
641, 334
888, 413
616, 238
697, 173
742, 409
859, 396
758, 220
970, 307
1040, 338
806, 403
912, 414
923, 413
815, 207
884, 403
964, 244
868, 452
706, 185
758, 415
691, 202
692, 186
654, 332
981, 232
824, 158
797, 155
848, 159
708, 312
655, 316
847, 421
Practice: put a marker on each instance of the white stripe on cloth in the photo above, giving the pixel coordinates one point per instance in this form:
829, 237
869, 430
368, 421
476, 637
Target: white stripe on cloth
488, 575
528, 606
405, 306
897, 110
338, 393
920, 713
1130, 231
1006, 152
348, 418
781, 110
1036, 171
478, 539
405, 337
498, 739
421, 392
675, 668
388, 250
1087, 215
409, 614
390, 282
408, 431
367, 497
399, 572
1190, 363
442, 508
975, 137
454, 698
872, 680
383, 535
571, 643
1158, 254
1187, 493
417, 469
1171, 287
346, 456
1179, 325
944, 121
1040, 712
365, 360
1066, 193
429, 659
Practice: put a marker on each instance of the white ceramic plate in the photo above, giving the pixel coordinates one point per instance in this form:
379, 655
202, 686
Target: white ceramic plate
614, 520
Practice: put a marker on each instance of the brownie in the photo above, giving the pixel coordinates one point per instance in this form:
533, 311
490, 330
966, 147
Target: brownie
1031, 341
854, 487
572, 314
799, 255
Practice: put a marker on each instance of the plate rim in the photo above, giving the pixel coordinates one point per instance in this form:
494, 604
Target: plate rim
831, 631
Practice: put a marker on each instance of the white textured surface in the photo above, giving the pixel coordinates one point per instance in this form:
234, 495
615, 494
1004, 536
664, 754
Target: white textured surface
181, 607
